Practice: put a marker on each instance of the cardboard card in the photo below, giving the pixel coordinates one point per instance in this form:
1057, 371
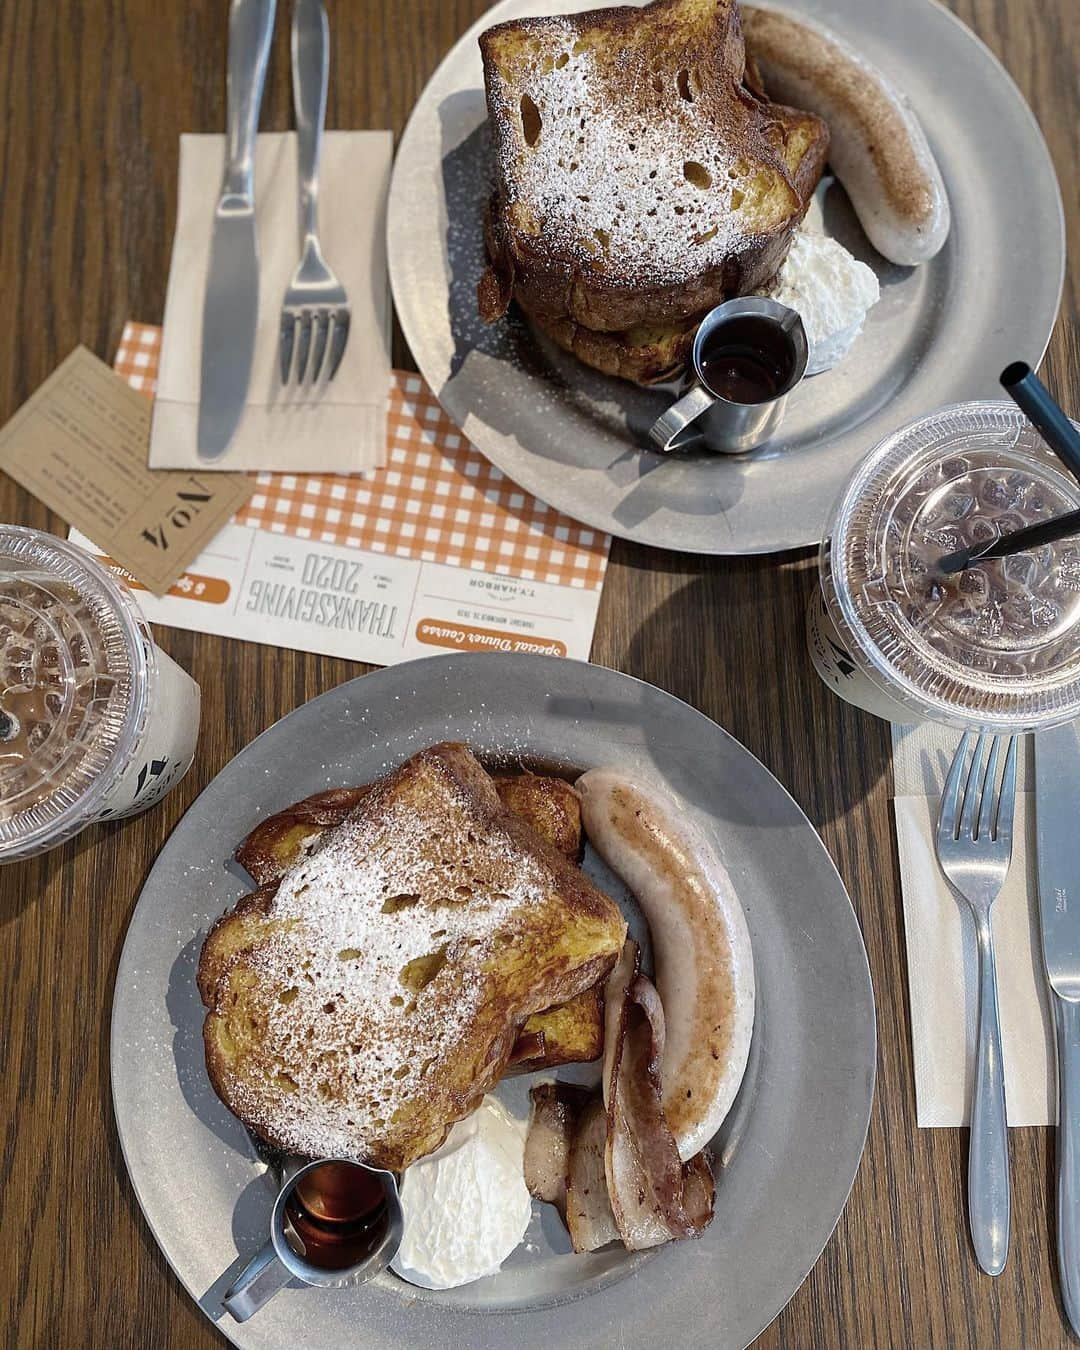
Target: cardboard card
80, 445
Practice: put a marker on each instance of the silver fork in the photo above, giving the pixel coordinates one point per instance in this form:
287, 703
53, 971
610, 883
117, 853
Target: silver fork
974, 848
315, 303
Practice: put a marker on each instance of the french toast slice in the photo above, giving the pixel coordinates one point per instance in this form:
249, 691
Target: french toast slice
568, 1034
550, 805
369, 997
572, 1033
645, 354
650, 353
639, 179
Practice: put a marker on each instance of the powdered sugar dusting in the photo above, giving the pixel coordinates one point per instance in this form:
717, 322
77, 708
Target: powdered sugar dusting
626, 158
379, 969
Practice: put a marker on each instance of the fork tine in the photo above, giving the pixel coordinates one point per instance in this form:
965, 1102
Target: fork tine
288, 341
989, 796
341, 338
950, 796
973, 790
322, 332
952, 792
1007, 799
305, 346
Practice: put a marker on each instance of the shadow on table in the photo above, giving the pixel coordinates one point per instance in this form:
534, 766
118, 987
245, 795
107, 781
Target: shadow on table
22, 883
731, 643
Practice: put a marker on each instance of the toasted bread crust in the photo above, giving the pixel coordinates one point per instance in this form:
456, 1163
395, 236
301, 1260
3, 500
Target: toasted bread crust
657, 354
572, 1033
275, 843
717, 223
367, 1000
550, 805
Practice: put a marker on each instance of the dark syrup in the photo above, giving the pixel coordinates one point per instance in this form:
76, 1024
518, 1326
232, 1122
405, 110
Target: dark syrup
339, 1214
748, 360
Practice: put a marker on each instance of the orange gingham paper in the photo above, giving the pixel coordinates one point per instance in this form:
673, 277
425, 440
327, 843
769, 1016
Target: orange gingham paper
438, 499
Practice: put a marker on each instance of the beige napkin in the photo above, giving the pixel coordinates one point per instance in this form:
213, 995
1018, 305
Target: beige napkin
333, 428
942, 970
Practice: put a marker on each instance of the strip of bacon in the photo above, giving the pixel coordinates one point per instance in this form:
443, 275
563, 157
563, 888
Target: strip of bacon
557, 1108
650, 1196
624, 1178
588, 1208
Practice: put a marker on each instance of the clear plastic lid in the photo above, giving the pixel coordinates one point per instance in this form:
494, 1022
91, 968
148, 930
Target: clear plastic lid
996, 645
74, 676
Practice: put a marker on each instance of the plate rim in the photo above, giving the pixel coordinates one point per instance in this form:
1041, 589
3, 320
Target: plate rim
123, 988
503, 10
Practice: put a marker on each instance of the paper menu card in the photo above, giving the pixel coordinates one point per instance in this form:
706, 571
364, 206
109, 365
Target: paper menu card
336, 427
79, 445
438, 552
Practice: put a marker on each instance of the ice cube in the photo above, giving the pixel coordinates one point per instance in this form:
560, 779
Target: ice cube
960, 505
975, 583
1044, 615
1009, 521
947, 538
990, 622
1068, 572
1020, 569
1016, 616
996, 492
954, 467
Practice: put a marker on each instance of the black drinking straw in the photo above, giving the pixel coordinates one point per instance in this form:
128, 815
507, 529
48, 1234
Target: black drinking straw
1036, 402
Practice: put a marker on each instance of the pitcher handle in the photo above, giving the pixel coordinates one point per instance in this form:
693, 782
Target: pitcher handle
674, 429
256, 1284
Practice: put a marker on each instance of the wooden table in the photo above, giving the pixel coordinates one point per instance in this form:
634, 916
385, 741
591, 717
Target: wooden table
96, 95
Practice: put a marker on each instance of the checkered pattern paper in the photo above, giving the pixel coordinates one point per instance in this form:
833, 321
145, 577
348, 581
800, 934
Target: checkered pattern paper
438, 499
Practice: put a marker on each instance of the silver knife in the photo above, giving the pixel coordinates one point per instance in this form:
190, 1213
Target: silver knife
1057, 814
231, 307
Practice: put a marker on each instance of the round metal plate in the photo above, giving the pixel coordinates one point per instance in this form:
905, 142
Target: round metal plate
790, 1147
940, 333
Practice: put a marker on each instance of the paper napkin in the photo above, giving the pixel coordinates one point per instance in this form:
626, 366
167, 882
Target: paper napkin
333, 428
942, 963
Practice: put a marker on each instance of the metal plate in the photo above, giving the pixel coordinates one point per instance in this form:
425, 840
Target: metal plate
939, 334
790, 1146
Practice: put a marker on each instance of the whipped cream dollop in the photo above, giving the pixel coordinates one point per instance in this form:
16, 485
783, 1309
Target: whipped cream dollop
466, 1205
830, 290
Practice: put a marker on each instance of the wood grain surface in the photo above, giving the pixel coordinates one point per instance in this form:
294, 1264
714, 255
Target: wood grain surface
96, 93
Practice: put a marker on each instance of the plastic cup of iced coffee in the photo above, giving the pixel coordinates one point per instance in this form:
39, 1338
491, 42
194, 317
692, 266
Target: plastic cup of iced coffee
95, 720
992, 648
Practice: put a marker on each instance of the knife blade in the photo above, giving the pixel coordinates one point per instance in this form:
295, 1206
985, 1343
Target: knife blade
1057, 799
1057, 795
231, 305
